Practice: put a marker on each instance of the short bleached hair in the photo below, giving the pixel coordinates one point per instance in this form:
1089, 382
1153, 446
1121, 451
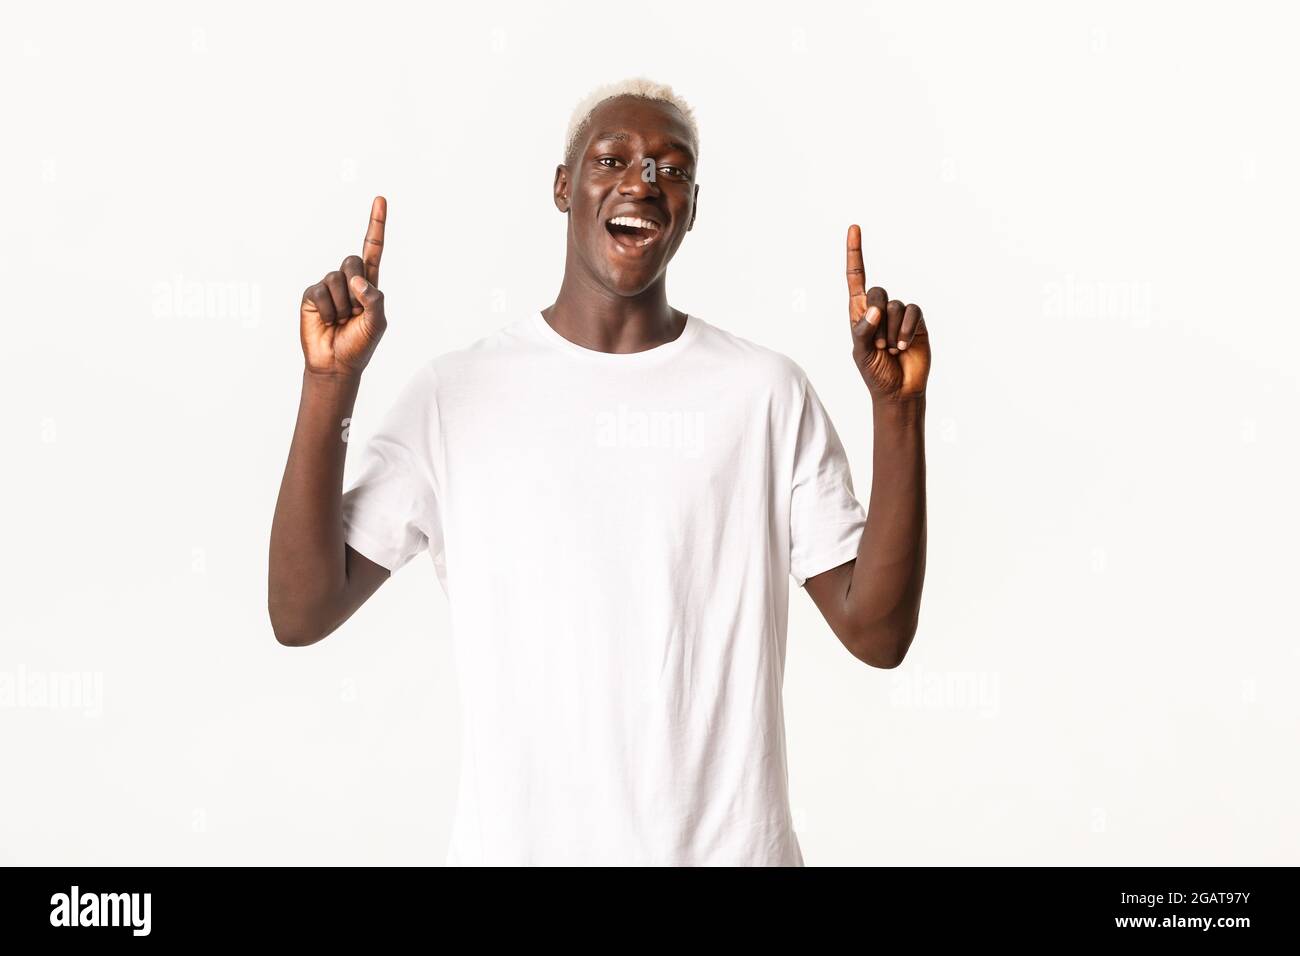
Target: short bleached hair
636, 86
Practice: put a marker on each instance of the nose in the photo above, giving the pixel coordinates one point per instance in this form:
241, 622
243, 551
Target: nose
634, 183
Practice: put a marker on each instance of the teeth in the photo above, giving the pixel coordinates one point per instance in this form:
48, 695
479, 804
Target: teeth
634, 222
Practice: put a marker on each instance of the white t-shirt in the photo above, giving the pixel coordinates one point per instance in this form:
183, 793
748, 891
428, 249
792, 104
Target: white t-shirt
614, 534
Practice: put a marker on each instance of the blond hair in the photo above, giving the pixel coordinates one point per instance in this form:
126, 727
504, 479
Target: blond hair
636, 86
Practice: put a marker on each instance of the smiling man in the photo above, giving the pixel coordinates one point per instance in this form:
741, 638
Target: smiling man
614, 494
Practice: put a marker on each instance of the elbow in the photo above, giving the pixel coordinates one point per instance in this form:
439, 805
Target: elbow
289, 636
292, 630
299, 619
881, 659
299, 615
884, 648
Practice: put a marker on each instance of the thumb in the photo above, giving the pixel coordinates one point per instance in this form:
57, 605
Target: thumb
369, 296
372, 320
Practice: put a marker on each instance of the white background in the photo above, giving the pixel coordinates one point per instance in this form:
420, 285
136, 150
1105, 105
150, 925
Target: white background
1095, 205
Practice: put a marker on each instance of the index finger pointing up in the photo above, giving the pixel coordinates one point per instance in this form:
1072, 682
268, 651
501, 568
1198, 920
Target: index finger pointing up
373, 247
856, 274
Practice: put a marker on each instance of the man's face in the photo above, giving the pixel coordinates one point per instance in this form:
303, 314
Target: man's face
636, 160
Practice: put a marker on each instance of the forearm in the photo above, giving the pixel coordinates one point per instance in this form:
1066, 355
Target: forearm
308, 568
883, 601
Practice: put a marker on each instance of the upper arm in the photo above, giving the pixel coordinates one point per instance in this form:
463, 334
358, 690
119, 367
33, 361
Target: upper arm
829, 592
364, 579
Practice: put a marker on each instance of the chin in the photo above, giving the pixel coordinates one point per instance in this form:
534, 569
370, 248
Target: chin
627, 283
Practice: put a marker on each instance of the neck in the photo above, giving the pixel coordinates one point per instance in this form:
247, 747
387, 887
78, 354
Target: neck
589, 314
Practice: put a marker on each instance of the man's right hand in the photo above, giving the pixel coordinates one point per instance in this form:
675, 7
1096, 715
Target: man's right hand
342, 318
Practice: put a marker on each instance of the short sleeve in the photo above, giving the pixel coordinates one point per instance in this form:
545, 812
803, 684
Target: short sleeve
390, 510
826, 518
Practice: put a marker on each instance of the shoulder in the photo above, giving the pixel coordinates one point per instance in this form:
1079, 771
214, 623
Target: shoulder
515, 337
759, 364
449, 371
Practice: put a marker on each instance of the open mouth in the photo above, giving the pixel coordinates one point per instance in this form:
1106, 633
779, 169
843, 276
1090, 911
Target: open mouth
632, 232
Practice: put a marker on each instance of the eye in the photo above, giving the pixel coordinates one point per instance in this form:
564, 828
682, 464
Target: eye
603, 158
675, 171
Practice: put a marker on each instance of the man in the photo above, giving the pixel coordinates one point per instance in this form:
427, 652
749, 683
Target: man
613, 493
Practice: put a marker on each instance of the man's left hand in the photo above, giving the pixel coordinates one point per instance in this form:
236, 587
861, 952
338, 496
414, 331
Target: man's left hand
891, 345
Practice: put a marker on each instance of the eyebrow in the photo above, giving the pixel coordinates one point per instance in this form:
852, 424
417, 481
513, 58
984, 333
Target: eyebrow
621, 137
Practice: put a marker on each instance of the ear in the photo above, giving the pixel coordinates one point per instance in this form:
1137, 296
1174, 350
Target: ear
695, 207
562, 188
